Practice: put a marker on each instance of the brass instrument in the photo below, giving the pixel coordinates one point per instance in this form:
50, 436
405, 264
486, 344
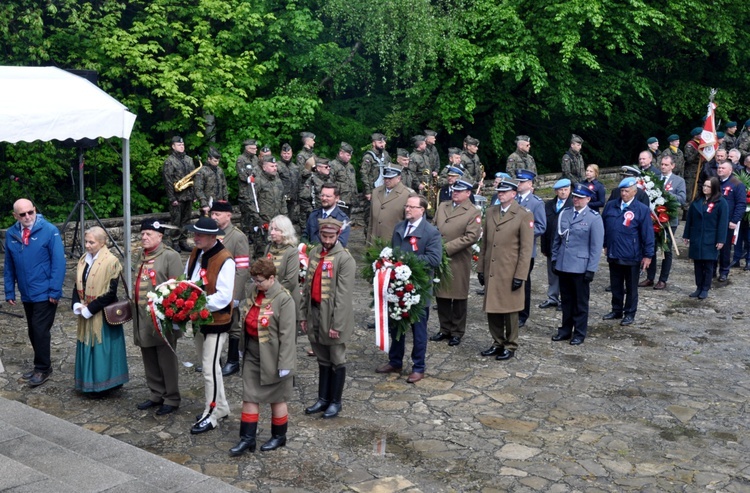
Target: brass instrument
187, 180
431, 191
480, 181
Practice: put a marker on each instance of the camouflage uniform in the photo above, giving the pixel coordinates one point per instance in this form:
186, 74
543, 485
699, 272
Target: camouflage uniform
471, 166
678, 158
433, 157
309, 194
270, 192
573, 167
176, 166
743, 143
345, 177
290, 177
246, 164
692, 158
418, 164
520, 160
210, 185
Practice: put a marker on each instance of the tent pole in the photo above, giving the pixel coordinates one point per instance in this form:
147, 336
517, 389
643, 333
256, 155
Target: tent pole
126, 212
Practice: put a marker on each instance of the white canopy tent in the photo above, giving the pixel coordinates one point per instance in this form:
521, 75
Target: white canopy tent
47, 103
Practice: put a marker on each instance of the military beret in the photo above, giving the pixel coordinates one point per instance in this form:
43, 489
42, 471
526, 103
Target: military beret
696, 131
503, 175
471, 141
506, 186
719, 135
576, 139
747, 123
430, 133
582, 191
627, 182
391, 171
250, 142
213, 152
401, 152
177, 140
453, 150
731, 124
377, 136
322, 161
418, 138
205, 225
630, 171
329, 225
269, 159
652, 140
462, 185
562, 183
286, 147
346, 147
525, 175
152, 225
524, 138
307, 135
221, 206
452, 170
673, 137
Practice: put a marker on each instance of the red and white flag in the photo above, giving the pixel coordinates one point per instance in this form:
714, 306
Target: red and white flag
709, 142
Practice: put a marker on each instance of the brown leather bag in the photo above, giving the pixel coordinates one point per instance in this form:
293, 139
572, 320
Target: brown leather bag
121, 311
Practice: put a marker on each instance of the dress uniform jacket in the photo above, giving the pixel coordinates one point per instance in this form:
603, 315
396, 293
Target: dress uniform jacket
286, 260
277, 330
175, 168
553, 215
505, 254
210, 185
337, 288
153, 269
706, 228
387, 211
536, 206
460, 227
578, 242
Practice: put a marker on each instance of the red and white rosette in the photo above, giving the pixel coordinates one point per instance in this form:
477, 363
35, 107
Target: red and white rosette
629, 216
380, 288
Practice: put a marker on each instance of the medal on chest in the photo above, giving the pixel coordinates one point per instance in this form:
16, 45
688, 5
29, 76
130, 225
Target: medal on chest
413, 241
202, 273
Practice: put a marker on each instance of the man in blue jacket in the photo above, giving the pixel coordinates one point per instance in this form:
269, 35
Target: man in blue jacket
735, 194
35, 260
329, 199
629, 245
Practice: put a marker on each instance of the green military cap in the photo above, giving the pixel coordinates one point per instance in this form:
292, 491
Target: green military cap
731, 124
673, 137
377, 136
576, 139
471, 141
214, 153
321, 160
652, 140
286, 147
430, 133
418, 138
307, 135
454, 150
523, 138
696, 131
177, 140
265, 149
401, 152
269, 159
719, 135
250, 142
346, 147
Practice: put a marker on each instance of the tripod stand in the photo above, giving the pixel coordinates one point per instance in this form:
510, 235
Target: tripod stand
80, 226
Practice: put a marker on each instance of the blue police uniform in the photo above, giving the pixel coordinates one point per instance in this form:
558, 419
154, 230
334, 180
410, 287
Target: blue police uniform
536, 206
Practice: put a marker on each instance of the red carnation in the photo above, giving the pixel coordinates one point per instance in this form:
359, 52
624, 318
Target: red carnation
204, 314
409, 287
169, 313
401, 304
405, 314
179, 302
178, 290
189, 304
193, 317
171, 298
193, 296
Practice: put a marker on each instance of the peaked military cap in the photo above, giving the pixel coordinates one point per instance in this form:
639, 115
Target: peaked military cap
206, 226
576, 139
507, 186
630, 171
462, 185
346, 147
525, 175
391, 171
452, 170
561, 183
377, 136
221, 206
582, 191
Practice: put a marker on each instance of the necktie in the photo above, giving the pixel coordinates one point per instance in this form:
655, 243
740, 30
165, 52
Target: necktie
387, 192
408, 229
502, 213
559, 204
325, 215
575, 215
623, 206
518, 199
25, 235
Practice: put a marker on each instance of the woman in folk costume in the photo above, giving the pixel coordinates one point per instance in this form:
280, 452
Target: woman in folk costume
101, 360
282, 250
268, 317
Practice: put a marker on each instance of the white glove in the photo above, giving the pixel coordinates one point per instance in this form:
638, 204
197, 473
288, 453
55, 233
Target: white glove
248, 178
283, 373
86, 313
77, 308
255, 229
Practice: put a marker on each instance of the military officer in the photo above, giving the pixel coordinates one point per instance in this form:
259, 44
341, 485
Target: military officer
454, 161
678, 158
533, 203
460, 225
730, 139
653, 147
520, 158
388, 201
292, 182
419, 165
403, 159
310, 191
470, 160
267, 203
210, 182
344, 174
552, 209
327, 314
504, 259
576, 250
176, 167
433, 157
371, 172
446, 191
692, 160
572, 164
247, 163
308, 143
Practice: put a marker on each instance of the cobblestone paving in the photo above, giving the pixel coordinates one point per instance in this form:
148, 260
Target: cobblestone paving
657, 406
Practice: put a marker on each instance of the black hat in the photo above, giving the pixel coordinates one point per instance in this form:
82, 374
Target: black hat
206, 226
177, 140
346, 147
153, 225
213, 152
221, 206
582, 191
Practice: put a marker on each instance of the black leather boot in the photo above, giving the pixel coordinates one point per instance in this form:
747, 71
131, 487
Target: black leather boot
247, 439
337, 388
278, 438
233, 358
324, 391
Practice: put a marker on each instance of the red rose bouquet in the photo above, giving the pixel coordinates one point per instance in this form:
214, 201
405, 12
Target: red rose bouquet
179, 301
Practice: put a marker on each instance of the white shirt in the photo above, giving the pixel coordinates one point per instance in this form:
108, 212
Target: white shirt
224, 283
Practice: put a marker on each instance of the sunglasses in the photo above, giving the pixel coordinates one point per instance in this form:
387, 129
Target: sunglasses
24, 214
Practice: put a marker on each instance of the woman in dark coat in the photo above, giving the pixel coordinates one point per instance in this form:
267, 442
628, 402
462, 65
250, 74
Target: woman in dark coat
592, 183
705, 232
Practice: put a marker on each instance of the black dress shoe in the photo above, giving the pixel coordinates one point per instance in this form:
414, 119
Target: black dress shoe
608, 289
198, 369
505, 354
722, 278
695, 293
559, 308
202, 427
612, 316
703, 295
576, 341
560, 337
166, 409
38, 378
492, 351
521, 323
28, 375
439, 337
627, 320
147, 404
455, 341
480, 291
230, 368
547, 304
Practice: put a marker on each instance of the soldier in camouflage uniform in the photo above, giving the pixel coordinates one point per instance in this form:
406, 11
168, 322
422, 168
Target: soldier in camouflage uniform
268, 203
404, 160
730, 139
345, 176
470, 160
210, 182
743, 141
521, 159
674, 151
692, 159
310, 191
247, 164
419, 165
572, 164
454, 160
308, 143
292, 182
176, 166
371, 171
432, 153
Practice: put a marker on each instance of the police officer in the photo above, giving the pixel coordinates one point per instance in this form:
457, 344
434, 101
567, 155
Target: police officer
267, 203
520, 158
246, 164
176, 166
371, 172
576, 249
552, 209
344, 175
534, 204
210, 182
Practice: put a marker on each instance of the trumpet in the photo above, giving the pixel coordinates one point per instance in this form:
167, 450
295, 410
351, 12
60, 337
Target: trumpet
187, 180
431, 189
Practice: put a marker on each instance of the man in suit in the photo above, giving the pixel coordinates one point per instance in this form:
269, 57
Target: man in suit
534, 204
646, 162
674, 185
629, 246
460, 224
504, 260
552, 209
734, 193
329, 198
387, 204
416, 235
576, 249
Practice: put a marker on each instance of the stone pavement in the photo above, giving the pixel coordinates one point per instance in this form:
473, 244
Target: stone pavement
657, 406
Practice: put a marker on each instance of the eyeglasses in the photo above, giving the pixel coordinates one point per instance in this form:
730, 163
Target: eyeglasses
413, 207
24, 214
259, 281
